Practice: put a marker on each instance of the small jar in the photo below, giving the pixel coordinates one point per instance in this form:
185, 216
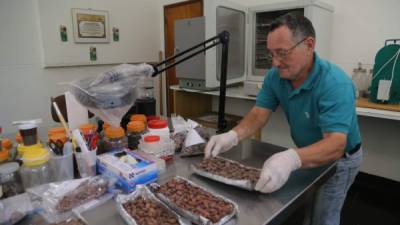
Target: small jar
35, 168
151, 144
114, 139
10, 180
158, 127
135, 130
4, 155
58, 137
89, 134
105, 126
18, 138
8, 145
139, 117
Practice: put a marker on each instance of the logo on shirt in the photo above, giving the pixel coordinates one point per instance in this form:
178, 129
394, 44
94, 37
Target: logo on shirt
307, 115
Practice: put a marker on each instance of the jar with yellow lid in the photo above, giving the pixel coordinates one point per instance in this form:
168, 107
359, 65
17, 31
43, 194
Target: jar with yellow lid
21, 148
35, 169
114, 139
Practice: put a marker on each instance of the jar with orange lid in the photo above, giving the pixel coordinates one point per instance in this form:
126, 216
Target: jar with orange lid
135, 130
114, 139
89, 132
4, 155
58, 137
140, 117
87, 128
18, 138
104, 127
8, 145
56, 130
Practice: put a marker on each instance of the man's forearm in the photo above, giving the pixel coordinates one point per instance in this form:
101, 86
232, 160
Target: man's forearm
322, 152
254, 120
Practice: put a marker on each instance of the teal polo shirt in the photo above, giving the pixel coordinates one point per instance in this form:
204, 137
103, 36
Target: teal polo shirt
324, 103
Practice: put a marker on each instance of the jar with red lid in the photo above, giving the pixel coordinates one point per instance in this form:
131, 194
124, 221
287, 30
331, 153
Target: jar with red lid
158, 127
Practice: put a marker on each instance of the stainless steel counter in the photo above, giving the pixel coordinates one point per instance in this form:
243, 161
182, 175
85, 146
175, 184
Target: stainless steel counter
255, 208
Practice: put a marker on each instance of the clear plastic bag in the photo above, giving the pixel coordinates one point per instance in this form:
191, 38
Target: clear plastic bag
112, 93
58, 199
14, 209
195, 146
73, 220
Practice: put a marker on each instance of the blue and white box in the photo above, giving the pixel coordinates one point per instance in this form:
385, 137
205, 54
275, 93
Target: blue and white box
128, 168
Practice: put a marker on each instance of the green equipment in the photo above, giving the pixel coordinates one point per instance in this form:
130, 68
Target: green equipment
385, 85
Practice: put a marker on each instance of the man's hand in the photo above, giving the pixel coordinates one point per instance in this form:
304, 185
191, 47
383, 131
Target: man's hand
221, 143
277, 169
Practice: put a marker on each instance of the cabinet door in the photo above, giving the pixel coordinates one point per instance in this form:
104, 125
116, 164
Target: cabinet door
188, 33
223, 15
178, 11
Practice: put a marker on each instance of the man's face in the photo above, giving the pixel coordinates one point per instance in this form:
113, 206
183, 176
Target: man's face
295, 61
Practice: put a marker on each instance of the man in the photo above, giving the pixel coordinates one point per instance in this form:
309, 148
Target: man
318, 99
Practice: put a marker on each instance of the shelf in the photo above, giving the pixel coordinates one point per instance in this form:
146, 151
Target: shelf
238, 92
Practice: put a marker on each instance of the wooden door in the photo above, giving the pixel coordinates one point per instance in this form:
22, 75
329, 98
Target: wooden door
178, 11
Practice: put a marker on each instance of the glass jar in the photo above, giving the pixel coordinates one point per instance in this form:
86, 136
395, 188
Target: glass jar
135, 130
35, 169
114, 139
10, 180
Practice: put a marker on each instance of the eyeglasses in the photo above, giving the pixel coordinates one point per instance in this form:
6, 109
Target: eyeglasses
283, 53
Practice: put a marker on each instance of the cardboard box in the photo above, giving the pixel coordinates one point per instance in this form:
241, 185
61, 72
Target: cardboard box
128, 168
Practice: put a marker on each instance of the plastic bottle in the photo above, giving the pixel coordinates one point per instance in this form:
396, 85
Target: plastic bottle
159, 127
135, 130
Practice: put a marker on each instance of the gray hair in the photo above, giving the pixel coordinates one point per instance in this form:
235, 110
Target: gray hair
299, 25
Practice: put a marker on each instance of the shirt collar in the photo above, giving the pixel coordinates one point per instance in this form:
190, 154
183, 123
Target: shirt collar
310, 81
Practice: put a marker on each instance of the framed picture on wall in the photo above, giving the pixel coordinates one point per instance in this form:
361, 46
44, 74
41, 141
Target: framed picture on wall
90, 26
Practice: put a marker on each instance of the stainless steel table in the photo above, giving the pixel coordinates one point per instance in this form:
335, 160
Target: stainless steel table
255, 208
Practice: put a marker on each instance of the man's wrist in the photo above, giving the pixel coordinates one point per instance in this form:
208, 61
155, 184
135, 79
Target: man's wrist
295, 158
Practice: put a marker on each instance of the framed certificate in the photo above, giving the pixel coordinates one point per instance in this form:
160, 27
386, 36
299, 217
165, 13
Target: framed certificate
90, 26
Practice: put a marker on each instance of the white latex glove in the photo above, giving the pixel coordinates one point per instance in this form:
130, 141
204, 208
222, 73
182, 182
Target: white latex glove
277, 169
221, 143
